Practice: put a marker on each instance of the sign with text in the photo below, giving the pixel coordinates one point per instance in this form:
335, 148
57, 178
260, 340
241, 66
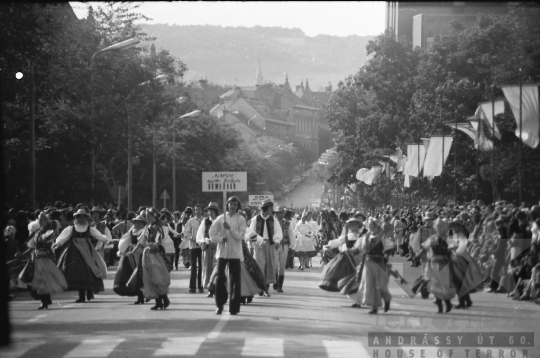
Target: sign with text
256, 200
224, 181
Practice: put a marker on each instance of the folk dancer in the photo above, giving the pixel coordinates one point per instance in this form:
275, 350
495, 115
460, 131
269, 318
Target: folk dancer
156, 278
208, 248
82, 266
41, 273
282, 253
304, 243
184, 244
130, 258
423, 233
270, 236
228, 232
101, 225
176, 225
169, 232
190, 234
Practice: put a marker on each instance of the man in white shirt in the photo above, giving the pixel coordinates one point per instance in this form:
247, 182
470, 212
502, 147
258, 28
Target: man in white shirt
270, 235
208, 248
228, 231
290, 257
190, 234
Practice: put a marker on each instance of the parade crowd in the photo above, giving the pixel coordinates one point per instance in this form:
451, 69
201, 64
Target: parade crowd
239, 254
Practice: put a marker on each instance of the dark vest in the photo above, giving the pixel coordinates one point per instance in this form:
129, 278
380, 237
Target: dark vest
259, 228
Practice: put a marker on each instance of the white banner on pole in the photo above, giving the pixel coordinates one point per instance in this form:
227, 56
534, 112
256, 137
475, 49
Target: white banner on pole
224, 181
433, 165
530, 119
256, 200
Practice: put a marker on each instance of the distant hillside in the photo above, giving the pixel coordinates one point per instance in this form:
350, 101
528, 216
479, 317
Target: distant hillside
229, 55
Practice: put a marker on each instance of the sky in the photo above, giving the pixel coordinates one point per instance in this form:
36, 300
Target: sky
337, 18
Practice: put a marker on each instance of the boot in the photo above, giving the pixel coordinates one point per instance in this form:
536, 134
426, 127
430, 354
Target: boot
280, 283
386, 306
275, 285
448, 305
44, 302
166, 301
438, 302
89, 295
468, 302
267, 288
461, 303
140, 299
249, 299
159, 304
81, 297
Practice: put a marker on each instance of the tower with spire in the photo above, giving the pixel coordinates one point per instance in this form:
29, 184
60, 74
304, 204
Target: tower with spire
259, 77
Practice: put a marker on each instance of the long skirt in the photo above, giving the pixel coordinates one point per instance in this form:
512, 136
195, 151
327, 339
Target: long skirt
156, 276
253, 269
15, 266
209, 262
441, 276
47, 277
469, 275
342, 265
82, 266
376, 280
126, 267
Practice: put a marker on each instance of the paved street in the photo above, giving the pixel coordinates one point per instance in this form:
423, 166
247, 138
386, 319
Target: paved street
305, 321
303, 195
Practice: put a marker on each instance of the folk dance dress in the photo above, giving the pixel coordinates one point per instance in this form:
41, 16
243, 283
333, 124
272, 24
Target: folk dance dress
208, 251
129, 262
155, 273
304, 239
468, 271
82, 266
440, 270
41, 273
375, 273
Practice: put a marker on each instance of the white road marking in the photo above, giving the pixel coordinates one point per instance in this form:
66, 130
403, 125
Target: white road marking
263, 347
18, 349
346, 349
35, 319
185, 346
95, 347
219, 327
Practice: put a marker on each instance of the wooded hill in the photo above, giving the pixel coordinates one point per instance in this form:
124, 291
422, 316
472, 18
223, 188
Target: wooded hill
229, 55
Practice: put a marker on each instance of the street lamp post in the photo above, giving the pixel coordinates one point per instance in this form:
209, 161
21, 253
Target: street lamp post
187, 115
124, 45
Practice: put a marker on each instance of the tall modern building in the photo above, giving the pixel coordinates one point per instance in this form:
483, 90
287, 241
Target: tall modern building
422, 23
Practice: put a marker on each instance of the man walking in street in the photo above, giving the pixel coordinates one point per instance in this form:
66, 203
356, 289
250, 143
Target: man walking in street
282, 251
270, 235
422, 235
208, 248
190, 234
228, 232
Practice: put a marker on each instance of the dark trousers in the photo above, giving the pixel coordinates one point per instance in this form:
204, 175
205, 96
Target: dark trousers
177, 250
45, 299
221, 285
196, 268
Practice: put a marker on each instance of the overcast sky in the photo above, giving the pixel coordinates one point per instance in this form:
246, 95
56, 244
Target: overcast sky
314, 18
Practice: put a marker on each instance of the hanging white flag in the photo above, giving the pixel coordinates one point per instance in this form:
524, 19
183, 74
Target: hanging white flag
467, 128
415, 159
407, 183
369, 176
436, 155
531, 125
487, 115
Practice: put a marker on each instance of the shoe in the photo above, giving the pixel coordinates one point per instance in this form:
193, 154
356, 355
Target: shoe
448, 306
439, 305
386, 306
147, 300
219, 311
249, 299
210, 294
43, 306
280, 290
166, 302
275, 286
301, 269
159, 304
201, 290
355, 305
80, 300
192, 291
139, 302
89, 296
233, 313
468, 303
372, 312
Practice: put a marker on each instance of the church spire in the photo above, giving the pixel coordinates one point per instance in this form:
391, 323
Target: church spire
259, 78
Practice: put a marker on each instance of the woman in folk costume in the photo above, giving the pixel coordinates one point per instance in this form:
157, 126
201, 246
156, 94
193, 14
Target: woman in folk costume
375, 272
345, 262
208, 248
156, 278
467, 269
42, 274
440, 270
130, 260
82, 266
270, 236
304, 241
97, 222
168, 243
